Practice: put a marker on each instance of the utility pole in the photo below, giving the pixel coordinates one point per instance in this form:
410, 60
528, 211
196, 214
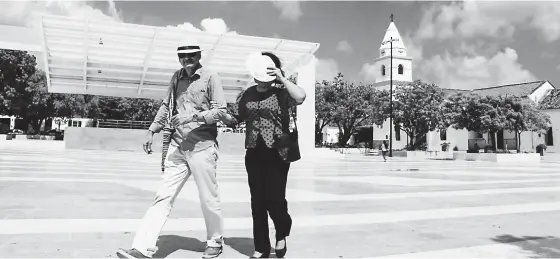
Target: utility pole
391, 95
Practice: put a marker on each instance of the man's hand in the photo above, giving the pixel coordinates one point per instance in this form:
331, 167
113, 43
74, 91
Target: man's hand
148, 144
179, 119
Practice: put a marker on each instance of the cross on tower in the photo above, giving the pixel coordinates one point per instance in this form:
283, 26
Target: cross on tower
391, 17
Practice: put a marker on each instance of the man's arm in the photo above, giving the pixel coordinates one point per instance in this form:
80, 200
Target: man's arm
237, 114
162, 115
216, 91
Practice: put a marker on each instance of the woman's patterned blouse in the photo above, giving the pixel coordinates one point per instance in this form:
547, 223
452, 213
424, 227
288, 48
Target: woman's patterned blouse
263, 115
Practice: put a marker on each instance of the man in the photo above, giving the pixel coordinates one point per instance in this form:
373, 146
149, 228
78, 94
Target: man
193, 151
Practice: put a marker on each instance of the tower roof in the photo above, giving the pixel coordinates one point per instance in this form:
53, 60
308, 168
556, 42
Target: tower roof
393, 32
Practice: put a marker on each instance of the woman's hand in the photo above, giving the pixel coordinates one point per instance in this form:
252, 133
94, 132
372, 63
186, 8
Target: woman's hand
272, 71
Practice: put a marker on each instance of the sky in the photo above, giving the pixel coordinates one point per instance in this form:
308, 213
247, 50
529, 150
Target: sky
461, 44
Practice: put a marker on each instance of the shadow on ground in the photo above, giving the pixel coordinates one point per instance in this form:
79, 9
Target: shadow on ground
169, 244
539, 247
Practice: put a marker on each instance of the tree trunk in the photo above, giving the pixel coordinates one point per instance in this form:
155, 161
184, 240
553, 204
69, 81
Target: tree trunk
518, 135
493, 140
318, 133
345, 136
411, 140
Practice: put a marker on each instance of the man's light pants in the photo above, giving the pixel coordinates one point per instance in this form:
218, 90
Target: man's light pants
179, 165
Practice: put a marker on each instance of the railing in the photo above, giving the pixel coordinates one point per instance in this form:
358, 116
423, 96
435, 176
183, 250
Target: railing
123, 124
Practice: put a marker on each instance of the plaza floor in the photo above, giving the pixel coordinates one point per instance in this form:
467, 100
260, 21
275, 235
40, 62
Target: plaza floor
57, 203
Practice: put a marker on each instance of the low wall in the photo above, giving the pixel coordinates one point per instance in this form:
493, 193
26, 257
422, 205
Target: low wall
504, 158
132, 140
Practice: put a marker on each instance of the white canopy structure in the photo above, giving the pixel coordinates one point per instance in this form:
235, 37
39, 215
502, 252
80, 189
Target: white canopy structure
130, 60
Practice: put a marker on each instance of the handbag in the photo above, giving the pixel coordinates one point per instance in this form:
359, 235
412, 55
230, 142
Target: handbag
293, 147
290, 139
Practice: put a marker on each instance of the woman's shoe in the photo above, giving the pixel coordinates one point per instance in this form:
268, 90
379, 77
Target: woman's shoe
260, 255
281, 248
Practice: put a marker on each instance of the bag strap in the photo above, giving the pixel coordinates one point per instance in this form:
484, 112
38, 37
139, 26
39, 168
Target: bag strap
172, 101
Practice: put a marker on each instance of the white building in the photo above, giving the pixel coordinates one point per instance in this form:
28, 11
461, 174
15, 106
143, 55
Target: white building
461, 139
402, 75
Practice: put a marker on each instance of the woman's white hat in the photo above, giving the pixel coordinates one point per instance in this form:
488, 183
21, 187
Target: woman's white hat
257, 65
188, 45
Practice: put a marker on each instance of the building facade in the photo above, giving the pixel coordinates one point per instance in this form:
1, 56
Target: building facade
538, 92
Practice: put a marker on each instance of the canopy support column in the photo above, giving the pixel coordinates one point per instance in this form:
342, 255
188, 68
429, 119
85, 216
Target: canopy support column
306, 111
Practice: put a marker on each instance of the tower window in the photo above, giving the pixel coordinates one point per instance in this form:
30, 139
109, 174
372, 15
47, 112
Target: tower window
401, 69
383, 70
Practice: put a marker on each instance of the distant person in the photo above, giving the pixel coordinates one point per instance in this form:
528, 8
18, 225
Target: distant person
384, 150
187, 115
265, 107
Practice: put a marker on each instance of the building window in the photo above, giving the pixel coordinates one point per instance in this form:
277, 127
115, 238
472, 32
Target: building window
443, 134
401, 70
397, 133
383, 70
548, 138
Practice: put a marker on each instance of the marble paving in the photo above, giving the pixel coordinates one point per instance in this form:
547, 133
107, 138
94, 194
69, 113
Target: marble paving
57, 203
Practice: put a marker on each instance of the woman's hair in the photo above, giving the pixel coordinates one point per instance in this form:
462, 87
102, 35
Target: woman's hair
277, 63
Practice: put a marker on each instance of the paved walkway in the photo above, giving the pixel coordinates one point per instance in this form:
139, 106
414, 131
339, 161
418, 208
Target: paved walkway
62, 203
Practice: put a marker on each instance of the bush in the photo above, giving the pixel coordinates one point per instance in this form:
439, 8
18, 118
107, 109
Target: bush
455, 148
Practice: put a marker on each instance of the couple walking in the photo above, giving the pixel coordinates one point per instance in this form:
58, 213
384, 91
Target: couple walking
195, 102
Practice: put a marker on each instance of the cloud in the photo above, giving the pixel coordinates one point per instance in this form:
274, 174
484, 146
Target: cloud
326, 69
28, 13
211, 25
493, 19
479, 34
468, 72
558, 67
368, 73
344, 46
290, 10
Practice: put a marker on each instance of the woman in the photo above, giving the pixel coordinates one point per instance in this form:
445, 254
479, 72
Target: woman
264, 107
384, 149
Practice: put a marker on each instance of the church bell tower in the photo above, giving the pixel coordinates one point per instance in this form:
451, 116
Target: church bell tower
402, 63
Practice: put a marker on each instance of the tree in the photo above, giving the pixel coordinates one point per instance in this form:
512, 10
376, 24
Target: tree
416, 110
352, 106
482, 114
324, 98
462, 111
522, 115
494, 117
16, 69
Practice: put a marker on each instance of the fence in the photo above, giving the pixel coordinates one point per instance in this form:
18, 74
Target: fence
123, 124
126, 124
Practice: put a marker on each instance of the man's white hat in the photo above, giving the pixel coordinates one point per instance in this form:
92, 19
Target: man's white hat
188, 45
257, 65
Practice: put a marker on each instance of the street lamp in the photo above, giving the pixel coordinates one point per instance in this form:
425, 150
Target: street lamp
391, 95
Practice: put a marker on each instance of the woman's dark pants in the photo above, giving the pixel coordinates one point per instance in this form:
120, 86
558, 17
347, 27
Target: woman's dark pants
268, 175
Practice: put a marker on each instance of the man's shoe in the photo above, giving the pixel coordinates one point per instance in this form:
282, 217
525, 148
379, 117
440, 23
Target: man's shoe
130, 254
212, 252
281, 248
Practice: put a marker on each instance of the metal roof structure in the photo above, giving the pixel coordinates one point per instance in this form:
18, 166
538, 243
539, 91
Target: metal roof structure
130, 60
